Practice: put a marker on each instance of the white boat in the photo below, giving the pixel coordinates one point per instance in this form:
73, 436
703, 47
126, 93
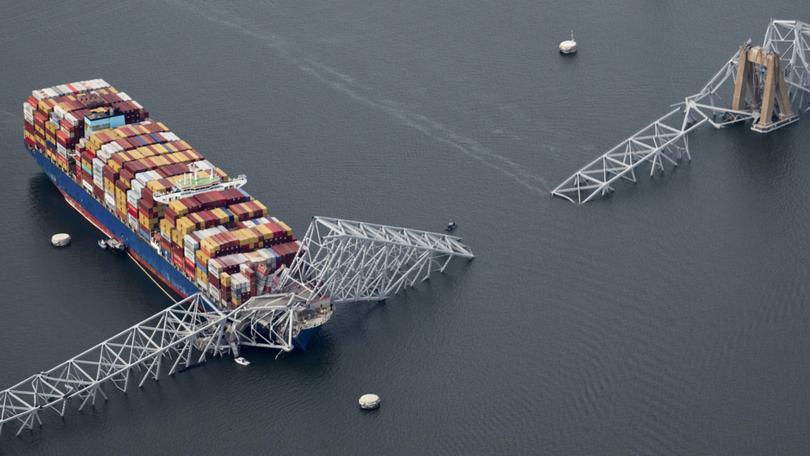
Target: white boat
241, 361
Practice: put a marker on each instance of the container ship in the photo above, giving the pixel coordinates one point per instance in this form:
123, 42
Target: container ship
184, 220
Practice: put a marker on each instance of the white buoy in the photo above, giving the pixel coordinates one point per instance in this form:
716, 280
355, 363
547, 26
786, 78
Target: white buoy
569, 46
369, 401
60, 239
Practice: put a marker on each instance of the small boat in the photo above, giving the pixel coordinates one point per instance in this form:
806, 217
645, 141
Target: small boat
241, 361
451, 227
113, 244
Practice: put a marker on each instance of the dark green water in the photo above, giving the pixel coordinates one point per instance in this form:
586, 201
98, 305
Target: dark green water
671, 318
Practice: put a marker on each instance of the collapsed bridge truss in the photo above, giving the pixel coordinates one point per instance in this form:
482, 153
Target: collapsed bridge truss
340, 261
665, 140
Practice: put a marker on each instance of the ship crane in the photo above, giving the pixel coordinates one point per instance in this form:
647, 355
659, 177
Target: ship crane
340, 261
768, 85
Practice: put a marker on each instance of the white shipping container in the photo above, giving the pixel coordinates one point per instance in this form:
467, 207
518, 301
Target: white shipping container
131, 197
58, 112
98, 170
136, 190
170, 136
72, 119
109, 200
124, 96
133, 222
87, 186
144, 177
191, 242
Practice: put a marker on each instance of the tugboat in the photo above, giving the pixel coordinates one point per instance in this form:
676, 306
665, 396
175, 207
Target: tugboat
241, 361
451, 227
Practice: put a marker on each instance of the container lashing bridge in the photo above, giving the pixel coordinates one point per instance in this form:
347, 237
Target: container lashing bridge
768, 85
340, 261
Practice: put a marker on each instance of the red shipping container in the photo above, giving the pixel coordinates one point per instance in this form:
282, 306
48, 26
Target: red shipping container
177, 260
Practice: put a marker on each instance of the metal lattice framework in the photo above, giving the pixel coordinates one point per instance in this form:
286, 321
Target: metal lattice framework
353, 260
665, 140
174, 335
267, 321
357, 261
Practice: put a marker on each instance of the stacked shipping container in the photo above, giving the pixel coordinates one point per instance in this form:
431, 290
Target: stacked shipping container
222, 239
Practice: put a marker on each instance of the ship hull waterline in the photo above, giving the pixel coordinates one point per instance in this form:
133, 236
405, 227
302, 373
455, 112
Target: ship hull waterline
140, 251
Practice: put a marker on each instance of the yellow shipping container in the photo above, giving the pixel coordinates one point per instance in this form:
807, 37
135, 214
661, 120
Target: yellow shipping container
224, 279
285, 227
221, 215
160, 160
156, 185
196, 218
178, 207
209, 245
265, 231
108, 186
202, 257
114, 165
165, 228
201, 276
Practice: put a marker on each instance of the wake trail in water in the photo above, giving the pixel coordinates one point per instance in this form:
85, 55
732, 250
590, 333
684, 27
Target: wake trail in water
365, 95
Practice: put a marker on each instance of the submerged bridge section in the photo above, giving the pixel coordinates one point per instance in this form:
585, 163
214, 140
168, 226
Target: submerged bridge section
340, 261
768, 85
358, 261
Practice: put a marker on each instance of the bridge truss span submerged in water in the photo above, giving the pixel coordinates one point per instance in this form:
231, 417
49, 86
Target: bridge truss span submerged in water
340, 261
767, 85
358, 261
172, 335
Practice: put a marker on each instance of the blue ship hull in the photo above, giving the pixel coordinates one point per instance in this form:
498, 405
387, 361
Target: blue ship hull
139, 249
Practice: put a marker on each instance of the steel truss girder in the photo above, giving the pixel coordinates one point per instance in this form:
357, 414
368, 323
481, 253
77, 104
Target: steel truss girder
665, 140
267, 321
339, 261
176, 334
356, 261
